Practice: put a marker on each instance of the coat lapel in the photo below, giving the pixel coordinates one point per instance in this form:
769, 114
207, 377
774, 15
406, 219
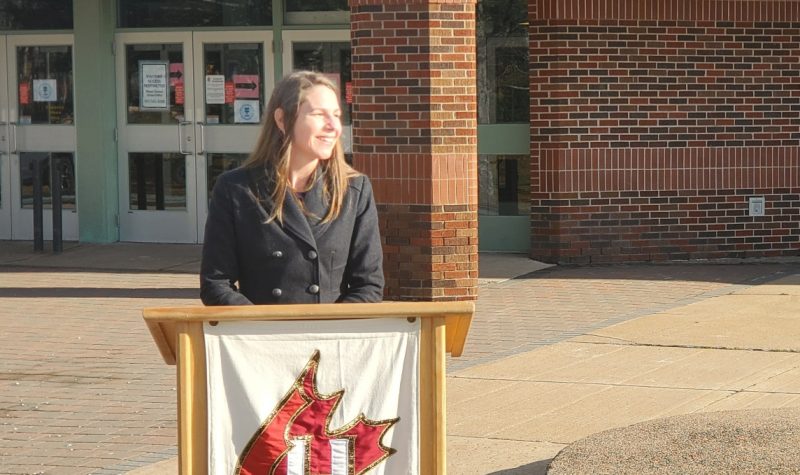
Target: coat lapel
317, 206
294, 221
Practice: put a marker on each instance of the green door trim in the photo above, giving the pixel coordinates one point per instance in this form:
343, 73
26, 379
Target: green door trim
504, 233
504, 139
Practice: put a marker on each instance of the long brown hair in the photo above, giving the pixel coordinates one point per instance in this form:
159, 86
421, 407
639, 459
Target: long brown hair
274, 147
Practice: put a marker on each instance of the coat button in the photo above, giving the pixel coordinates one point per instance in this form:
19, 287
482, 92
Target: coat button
312, 254
277, 254
313, 289
276, 292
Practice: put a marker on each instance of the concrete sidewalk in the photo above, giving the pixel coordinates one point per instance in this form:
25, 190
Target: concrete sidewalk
553, 355
739, 350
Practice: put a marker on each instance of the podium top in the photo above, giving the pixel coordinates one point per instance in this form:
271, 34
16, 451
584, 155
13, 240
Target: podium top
163, 322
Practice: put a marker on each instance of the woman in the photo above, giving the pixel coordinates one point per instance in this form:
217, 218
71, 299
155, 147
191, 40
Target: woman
294, 224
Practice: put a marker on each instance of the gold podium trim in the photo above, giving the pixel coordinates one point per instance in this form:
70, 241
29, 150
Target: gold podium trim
178, 334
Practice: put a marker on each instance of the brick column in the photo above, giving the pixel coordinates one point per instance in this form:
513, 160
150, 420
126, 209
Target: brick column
415, 135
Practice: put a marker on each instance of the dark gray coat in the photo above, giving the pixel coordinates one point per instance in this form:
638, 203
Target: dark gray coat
301, 261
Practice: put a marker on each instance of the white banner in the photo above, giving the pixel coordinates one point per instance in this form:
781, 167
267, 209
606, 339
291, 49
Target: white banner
320, 397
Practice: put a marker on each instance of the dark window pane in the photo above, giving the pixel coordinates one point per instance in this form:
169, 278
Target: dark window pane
194, 13
503, 94
316, 5
136, 57
218, 163
504, 184
36, 15
238, 70
157, 181
64, 167
512, 95
45, 85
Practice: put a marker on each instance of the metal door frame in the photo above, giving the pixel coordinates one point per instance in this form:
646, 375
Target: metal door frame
143, 225
36, 138
135, 225
236, 139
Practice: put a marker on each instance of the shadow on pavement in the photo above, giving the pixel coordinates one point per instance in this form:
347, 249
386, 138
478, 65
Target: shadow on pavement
101, 292
535, 468
731, 273
12, 268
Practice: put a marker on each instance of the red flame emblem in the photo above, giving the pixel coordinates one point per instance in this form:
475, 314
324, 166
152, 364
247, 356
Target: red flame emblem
300, 421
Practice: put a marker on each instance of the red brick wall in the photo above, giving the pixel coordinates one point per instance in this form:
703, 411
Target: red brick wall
414, 134
653, 122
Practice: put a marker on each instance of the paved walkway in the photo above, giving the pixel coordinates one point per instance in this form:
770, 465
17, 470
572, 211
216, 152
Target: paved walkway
553, 355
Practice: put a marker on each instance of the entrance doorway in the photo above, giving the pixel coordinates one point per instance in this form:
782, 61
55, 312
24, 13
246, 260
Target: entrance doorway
188, 108
37, 131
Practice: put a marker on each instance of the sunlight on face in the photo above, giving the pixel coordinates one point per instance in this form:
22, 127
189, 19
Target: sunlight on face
318, 126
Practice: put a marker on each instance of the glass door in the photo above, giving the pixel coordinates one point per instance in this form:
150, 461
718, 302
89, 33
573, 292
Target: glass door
504, 156
155, 137
325, 51
39, 122
5, 147
231, 93
190, 109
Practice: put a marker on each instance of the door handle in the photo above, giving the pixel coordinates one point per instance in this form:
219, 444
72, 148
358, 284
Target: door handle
202, 126
181, 149
13, 128
4, 136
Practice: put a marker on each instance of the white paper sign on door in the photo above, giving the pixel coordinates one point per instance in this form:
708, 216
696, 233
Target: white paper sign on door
246, 112
45, 90
154, 85
215, 89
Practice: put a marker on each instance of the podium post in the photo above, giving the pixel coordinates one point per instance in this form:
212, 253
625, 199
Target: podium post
179, 335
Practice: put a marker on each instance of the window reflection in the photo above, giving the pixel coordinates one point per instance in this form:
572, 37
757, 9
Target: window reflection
44, 81
157, 181
36, 15
61, 163
218, 163
316, 5
194, 13
504, 183
503, 95
169, 54
234, 77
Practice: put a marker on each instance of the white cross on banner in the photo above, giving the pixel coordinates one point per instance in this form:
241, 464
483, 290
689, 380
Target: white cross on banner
313, 397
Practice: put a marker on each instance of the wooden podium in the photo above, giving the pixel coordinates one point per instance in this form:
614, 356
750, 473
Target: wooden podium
178, 333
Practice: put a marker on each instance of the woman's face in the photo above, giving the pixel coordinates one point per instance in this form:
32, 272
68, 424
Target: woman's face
318, 126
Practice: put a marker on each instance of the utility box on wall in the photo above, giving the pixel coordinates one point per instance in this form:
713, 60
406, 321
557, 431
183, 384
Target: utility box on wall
757, 204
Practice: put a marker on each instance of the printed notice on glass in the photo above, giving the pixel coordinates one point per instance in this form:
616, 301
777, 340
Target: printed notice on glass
246, 86
154, 85
215, 89
44, 90
246, 112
